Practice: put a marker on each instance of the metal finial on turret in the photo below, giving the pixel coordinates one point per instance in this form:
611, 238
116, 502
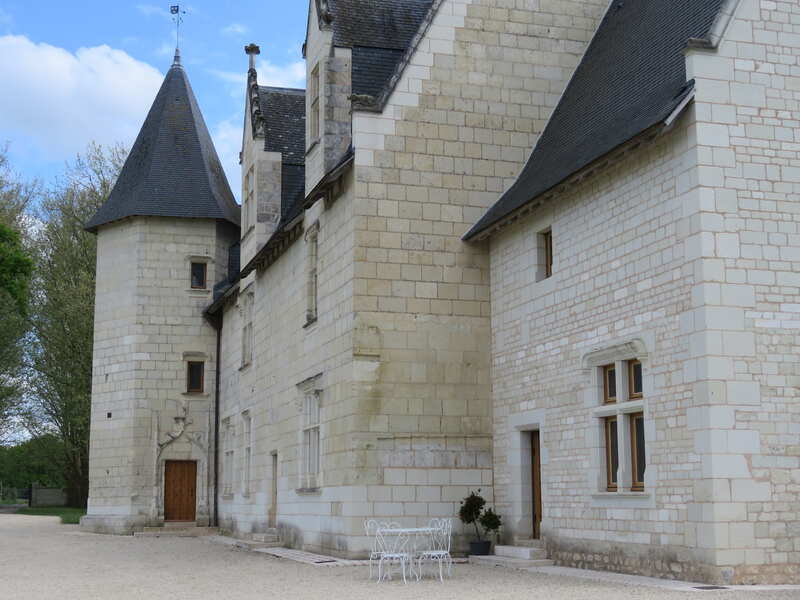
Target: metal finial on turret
176, 62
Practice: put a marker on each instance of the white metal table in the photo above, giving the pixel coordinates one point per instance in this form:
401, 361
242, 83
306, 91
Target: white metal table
412, 540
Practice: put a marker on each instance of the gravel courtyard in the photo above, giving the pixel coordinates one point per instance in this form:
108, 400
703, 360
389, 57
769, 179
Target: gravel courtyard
42, 559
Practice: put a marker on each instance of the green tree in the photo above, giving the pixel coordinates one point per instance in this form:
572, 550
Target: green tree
15, 273
62, 313
31, 462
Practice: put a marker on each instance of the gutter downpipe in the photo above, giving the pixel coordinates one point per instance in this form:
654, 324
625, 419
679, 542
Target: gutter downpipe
216, 420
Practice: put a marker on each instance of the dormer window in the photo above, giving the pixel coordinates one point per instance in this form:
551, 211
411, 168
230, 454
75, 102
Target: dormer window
199, 276
313, 92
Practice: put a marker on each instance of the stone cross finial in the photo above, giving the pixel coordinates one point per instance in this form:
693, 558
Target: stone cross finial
252, 51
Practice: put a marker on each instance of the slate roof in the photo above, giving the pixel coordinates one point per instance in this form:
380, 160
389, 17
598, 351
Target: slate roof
173, 169
379, 32
632, 77
284, 113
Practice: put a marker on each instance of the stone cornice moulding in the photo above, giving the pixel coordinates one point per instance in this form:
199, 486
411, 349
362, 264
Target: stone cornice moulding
624, 350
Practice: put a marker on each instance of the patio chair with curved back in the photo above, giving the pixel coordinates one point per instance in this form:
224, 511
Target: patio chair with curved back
439, 552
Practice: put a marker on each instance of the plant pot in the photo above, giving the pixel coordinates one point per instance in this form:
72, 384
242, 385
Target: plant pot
481, 548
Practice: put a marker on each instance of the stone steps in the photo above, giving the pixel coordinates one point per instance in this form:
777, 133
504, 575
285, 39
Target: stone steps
175, 531
521, 552
528, 542
268, 542
509, 563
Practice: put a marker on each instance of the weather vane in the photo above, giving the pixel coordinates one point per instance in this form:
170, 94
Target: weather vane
176, 12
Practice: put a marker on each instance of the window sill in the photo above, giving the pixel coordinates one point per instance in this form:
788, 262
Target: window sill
313, 144
245, 366
199, 291
603, 495
313, 491
309, 322
622, 500
227, 496
196, 394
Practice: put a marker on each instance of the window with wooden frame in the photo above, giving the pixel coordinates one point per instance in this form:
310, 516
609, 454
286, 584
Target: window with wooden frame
313, 92
609, 384
612, 452
195, 374
547, 240
638, 452
635, 380
544, 255
199, 275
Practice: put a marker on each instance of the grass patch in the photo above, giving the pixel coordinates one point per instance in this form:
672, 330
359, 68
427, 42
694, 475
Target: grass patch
69, 516
12, 502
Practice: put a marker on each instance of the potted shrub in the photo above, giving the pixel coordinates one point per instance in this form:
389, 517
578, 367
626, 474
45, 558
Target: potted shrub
472, 513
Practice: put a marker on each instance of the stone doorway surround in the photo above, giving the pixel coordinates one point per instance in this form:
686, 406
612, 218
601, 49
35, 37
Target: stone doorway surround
520, 487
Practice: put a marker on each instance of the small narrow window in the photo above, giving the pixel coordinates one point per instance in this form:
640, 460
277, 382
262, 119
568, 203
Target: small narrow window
227, 462
638, 460
313, 91
635, 379
194, 376
544, 255
199, 271
612, 453
247, 426
247, 329
548, 253
609, 384
312, 282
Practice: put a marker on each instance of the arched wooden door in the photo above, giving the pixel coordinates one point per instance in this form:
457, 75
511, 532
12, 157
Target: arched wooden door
180, 490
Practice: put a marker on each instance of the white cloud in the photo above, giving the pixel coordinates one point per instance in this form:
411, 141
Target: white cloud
236, 29
227, 137
60, 101
148, 10
292, 75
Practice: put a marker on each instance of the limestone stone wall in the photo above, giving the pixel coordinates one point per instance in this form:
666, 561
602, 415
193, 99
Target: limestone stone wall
453, 135
619, 290
287, 353
745, 253
148, 325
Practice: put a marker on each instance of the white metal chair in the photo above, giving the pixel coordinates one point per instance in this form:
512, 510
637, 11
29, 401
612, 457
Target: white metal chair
371, 527
439, 552
392, 549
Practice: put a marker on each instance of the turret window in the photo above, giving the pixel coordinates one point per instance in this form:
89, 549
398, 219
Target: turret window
199, 276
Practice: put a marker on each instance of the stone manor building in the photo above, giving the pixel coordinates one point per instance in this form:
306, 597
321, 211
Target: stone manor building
545, 249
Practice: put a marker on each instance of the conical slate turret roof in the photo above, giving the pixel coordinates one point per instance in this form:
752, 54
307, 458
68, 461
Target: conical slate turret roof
173, 169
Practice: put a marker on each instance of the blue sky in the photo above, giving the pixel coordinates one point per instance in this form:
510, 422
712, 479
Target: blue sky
76, 72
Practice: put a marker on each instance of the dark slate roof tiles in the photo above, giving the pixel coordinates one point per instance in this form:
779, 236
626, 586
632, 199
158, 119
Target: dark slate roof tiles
284, 114
173, 169
379, 32
631, 78
377, 23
